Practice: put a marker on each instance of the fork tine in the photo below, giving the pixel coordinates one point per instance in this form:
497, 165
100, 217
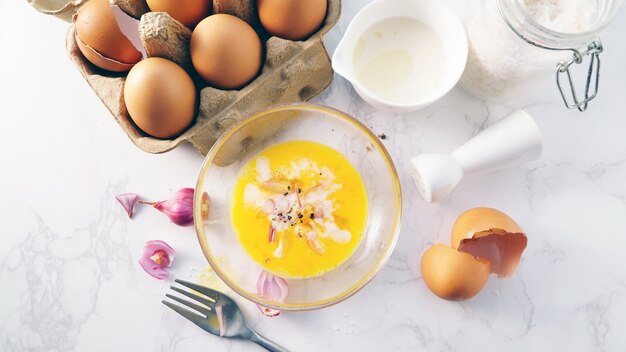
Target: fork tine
193, 317
194, 296
196, 307
204, 290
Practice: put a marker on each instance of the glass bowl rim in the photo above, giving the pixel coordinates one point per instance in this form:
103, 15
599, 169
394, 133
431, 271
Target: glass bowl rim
391, 244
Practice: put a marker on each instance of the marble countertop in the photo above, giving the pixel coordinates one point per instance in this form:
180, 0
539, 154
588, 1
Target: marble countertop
68, 254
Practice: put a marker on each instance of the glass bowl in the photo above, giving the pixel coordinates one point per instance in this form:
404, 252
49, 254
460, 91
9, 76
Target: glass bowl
327, 126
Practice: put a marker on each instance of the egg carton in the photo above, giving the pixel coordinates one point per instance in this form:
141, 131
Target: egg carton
294, 71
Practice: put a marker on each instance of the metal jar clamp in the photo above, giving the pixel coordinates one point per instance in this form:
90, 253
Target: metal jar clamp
592, 50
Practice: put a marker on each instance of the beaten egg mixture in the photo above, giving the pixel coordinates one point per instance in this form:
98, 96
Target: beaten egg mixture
299, 209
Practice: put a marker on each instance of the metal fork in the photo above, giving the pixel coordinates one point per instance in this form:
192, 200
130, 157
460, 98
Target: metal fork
204, 315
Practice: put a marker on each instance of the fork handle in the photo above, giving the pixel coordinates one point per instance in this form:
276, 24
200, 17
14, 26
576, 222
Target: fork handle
267, 344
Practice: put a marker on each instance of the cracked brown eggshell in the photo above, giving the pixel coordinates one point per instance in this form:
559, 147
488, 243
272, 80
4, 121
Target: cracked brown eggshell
453, 275
479, 220
100, 39
490, 234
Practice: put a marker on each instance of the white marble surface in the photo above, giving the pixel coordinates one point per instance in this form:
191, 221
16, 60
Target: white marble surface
68, 255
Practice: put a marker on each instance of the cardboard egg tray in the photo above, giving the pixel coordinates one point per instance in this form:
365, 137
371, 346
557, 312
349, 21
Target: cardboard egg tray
293, 72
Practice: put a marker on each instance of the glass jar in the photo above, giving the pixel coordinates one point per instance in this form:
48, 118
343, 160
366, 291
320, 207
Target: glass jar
513, 44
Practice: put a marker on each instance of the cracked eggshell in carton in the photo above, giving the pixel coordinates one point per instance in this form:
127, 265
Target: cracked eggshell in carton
291, 71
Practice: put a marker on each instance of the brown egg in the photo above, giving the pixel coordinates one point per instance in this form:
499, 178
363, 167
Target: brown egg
453, 275
100, 39
187, 12
292, 19
160, 97
226, 51
477, 220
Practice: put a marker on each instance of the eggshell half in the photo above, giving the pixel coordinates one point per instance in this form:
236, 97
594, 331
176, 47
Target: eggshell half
97, 28
477, 220
502, 250
99, 60
453, 275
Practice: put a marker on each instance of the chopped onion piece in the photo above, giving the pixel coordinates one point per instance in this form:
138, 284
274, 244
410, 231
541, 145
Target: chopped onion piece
268, 312
272, 288
128, 201
157, 255
282, 205
274, 186
269, 206
220, 320
272, 234
319, 213
296, 191
314, 243
206, 203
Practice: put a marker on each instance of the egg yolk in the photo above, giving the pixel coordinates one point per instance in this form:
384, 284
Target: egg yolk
299, 209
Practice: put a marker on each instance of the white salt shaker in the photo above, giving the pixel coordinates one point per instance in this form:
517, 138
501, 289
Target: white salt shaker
513, 140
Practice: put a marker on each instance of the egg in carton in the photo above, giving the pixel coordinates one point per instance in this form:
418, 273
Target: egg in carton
293, 71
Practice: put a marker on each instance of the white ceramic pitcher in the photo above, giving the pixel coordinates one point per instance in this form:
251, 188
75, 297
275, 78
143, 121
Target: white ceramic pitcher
434, 15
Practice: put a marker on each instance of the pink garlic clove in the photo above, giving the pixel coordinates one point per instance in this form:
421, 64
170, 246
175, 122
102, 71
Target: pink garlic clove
272, 288
179, 208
